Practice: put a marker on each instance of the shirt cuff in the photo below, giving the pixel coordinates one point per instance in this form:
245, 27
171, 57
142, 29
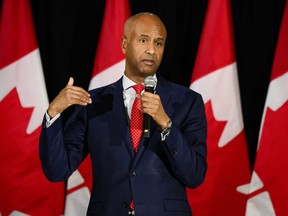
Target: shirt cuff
50, 121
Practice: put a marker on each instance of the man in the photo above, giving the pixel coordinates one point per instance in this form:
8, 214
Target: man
148, 178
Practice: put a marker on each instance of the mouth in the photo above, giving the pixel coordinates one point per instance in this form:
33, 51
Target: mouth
148, 62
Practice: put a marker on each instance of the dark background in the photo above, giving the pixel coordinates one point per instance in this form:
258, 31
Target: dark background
68, 30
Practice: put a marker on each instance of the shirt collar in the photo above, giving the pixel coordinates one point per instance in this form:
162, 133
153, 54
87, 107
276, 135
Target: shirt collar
127, 83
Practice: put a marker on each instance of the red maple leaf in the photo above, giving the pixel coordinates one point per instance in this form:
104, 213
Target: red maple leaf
23, 186
228, 168
272, 159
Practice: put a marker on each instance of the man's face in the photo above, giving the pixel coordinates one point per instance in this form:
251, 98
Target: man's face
144, 47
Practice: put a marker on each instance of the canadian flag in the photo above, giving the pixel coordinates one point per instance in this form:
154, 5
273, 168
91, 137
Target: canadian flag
24, 190
269, 189
215, 78
108, 67
110, 61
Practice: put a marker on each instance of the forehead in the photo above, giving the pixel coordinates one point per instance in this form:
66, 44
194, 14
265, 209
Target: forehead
150, 26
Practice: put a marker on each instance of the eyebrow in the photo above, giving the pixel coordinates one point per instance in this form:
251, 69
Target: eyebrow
146, 36
143, 35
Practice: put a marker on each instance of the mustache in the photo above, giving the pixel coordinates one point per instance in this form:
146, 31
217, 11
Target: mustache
154, 60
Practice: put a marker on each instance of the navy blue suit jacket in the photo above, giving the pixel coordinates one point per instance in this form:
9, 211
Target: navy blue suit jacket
156, 177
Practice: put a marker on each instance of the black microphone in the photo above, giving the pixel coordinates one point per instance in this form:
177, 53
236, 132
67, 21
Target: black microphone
150, 84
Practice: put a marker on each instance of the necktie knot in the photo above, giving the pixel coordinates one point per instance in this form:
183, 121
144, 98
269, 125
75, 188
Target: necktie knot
138, 88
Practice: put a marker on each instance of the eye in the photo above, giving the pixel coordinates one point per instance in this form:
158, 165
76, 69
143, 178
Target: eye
159, 44
142, 40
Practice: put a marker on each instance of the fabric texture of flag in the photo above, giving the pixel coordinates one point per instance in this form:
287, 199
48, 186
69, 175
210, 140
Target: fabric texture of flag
24, 190
215, 78
108, 67
109, 60
268, 188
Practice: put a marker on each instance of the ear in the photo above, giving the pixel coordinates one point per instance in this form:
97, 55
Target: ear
123, 44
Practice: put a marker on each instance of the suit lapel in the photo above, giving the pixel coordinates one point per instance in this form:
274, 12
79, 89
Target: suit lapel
119, 117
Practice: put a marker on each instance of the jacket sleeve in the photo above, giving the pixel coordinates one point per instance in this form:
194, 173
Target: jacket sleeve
60, 156
185, 145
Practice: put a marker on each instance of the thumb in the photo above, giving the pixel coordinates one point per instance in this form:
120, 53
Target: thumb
71, 81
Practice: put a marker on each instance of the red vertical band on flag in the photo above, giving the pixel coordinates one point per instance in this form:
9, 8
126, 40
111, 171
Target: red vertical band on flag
17, 37
216, 40
109, 60
23, 187
215, 78
109, 46
268, 188
280, 65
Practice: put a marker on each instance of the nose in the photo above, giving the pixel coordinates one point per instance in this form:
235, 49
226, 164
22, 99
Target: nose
150, 49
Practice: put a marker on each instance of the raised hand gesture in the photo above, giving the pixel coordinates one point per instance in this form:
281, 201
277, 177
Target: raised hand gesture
68, 96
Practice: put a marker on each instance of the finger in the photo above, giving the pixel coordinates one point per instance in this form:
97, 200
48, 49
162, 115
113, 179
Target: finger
77, 89
74, 94
150, 100
76, 99
70, 82
150, 96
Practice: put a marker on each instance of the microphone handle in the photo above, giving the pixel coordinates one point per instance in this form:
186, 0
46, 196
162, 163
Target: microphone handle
147, 122
147, 117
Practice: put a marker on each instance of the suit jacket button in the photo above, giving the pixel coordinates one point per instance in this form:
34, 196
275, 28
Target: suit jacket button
133, 174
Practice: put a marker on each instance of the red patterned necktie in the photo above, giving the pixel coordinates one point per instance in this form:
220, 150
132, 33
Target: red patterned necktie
136, 122
136, 125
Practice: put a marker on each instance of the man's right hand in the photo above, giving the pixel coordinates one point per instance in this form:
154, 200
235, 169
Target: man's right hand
68, 96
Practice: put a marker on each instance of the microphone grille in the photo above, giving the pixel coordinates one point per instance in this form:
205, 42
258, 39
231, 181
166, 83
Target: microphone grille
150, 82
